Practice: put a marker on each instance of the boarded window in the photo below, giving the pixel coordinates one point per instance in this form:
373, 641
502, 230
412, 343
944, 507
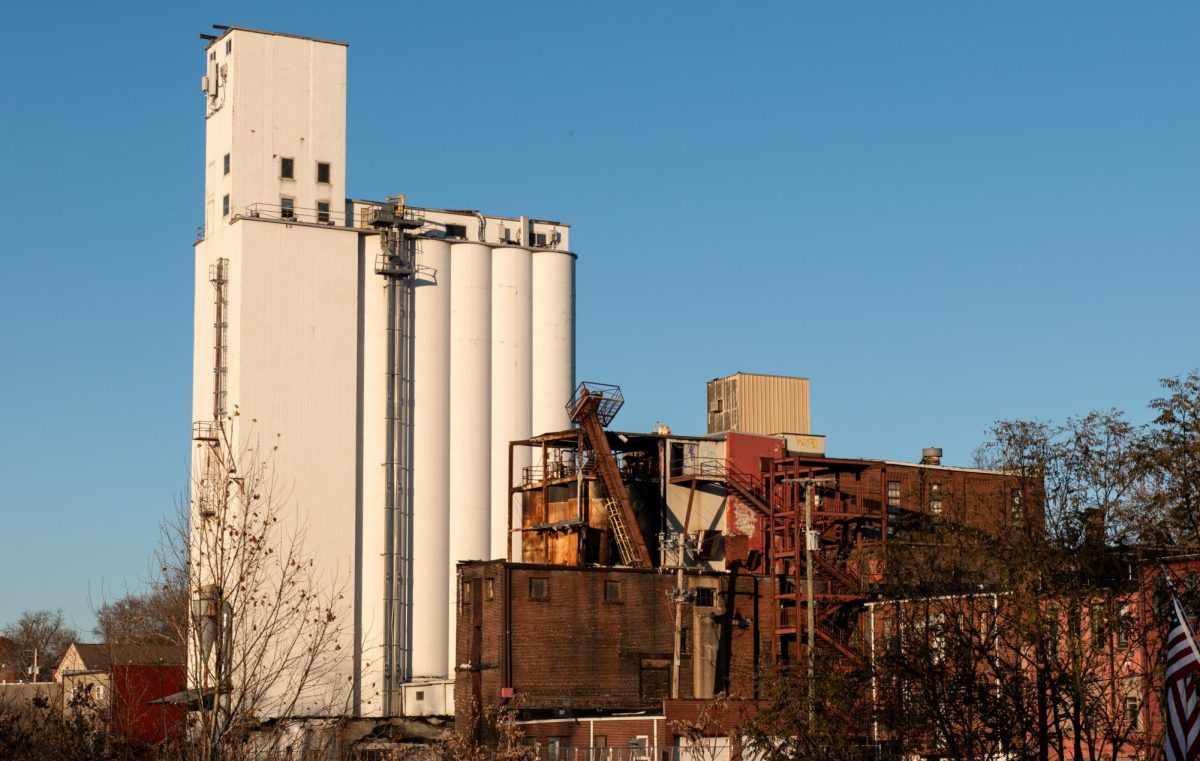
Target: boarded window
489, 588
539, 588
655, 682
612, 591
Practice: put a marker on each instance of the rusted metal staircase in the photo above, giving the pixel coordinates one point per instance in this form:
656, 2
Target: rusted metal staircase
592, 407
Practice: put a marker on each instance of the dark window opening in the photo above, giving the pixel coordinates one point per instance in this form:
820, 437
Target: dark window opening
226, 163
683, 640
456, 231
322, 171
419, 695
287, 208
287, 169
654, 680
228, 46
612, 591
225, 206
323, 212
705, 597
538, 589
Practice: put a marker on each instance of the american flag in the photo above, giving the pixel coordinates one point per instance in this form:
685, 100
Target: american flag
1183, 707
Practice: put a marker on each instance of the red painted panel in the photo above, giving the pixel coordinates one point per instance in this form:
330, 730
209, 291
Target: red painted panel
133, 687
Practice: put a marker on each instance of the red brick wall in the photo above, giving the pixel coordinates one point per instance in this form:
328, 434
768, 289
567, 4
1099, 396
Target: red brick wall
576, 649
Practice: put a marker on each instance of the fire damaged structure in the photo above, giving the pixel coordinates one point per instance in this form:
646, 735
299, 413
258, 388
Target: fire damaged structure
649, 571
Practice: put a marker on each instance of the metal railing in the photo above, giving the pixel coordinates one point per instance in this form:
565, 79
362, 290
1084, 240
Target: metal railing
389, 214
295, 214
637, 467
608, 399
206, 430
578, 753
536, 474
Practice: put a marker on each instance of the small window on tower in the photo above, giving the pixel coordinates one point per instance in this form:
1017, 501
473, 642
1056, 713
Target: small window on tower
322, 171
287, 208
323, 212
705, 597
226, 163
225, 206
287, 169
456, 231
228, 46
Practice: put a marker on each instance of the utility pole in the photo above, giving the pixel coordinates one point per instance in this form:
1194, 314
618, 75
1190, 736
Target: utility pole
680, 594
810, 492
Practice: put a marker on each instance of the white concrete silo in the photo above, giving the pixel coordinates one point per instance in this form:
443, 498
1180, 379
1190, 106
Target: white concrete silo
512, 379
431, 328
553, 339
470, 412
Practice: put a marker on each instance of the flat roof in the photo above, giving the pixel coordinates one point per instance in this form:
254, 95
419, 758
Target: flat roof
225, 30
763, 375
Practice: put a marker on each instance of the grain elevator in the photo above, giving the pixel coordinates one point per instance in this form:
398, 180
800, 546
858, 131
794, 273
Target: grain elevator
391, 351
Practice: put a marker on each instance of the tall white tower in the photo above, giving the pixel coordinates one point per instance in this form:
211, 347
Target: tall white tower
393, 391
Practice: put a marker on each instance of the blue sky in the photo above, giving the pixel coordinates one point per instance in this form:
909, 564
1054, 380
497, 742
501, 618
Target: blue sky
942, 213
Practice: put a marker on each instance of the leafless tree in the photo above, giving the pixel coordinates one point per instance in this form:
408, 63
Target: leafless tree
43, 631
266, 626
